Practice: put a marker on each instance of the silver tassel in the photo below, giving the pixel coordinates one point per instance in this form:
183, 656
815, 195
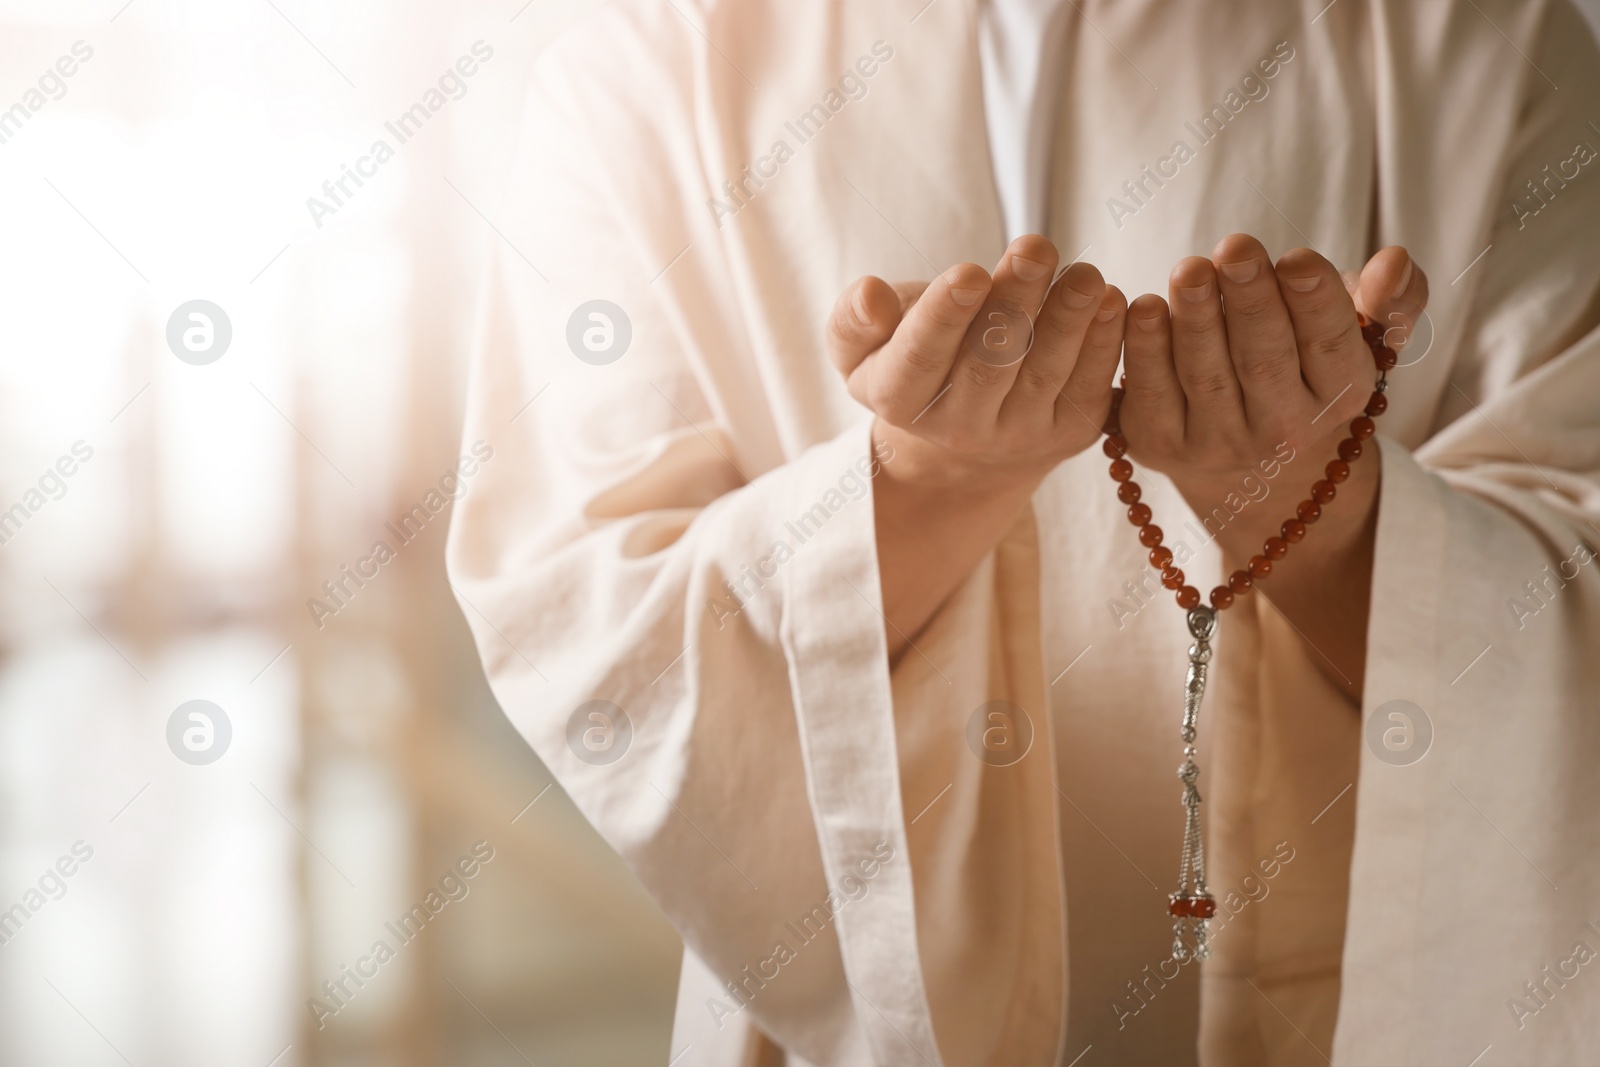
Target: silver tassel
1192, 905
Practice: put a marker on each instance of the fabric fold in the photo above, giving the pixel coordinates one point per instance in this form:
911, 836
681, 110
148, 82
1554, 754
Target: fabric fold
833, 638
855, 878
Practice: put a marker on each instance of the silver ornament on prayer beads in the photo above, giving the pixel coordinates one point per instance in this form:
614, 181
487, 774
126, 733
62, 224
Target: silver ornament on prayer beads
1202, 622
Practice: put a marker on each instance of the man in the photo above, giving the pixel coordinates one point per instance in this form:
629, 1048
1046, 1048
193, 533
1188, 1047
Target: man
900, 690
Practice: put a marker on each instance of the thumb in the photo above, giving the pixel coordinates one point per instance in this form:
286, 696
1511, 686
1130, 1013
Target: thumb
863, 318
1392, 291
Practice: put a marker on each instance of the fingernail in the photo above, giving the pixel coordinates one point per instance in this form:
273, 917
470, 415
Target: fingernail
1148, 325
966, 297
1405, 280
1197, 293
1028, 270
1106, 314
1302, 285
1242, 271
1074, 298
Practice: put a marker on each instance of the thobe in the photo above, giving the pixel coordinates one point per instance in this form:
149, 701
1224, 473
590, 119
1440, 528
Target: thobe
685, 532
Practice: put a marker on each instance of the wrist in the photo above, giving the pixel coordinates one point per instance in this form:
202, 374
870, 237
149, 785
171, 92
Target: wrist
920, 464
1245, 508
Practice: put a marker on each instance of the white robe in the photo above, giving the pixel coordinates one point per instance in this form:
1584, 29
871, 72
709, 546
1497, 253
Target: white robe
775, 760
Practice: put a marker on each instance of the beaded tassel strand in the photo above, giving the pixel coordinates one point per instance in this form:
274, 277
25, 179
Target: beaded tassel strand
1192, 905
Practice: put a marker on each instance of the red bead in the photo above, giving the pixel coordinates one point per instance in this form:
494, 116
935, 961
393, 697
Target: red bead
1150, 535
1129, 492
1115, 446
1372, 333
1362, 427
1172, 578
1121, 470
1349, 450
1259, 566
1161, 558
1308, 511
1222, 598
1337, 470
1293, 531
1387, 357
1239, 582
1377, 404
1322, 492
1139, 514
1275, 548
1184, 907
1188, 598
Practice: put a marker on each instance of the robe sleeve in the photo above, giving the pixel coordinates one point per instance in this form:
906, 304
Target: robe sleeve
624, 546
1475, 865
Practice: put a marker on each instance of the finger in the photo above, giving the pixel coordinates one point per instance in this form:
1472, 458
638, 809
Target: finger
1261, 339
1154, 406
905, 376
1335, 362
909, 293
1393, 291
863, 318
1000, 335
1200, 349
1068, 310
1086, 396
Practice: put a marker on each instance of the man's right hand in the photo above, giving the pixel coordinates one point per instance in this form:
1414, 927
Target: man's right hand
981, 386
995, 379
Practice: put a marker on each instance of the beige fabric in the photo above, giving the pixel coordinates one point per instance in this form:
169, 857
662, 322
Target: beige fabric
775, 759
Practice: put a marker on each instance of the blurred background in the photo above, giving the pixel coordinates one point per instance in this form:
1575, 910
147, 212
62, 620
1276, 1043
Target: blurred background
205, 883
208, 502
